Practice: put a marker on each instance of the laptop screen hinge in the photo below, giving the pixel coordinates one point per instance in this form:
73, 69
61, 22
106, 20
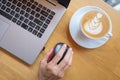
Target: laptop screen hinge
53, 2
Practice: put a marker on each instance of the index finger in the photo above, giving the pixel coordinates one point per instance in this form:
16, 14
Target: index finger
45, 58
59, 55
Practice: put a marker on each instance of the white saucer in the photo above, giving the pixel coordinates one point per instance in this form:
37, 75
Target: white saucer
78, 36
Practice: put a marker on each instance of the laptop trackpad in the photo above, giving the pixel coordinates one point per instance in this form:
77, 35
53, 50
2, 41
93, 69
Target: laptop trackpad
3, 28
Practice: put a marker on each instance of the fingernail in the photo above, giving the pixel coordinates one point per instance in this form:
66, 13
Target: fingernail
72, 52
70, 49
65, 45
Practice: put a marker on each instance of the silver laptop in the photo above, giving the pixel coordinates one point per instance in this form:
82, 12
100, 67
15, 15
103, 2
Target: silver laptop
26, 25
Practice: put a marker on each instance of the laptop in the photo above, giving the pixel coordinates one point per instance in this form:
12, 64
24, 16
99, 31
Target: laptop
26, 25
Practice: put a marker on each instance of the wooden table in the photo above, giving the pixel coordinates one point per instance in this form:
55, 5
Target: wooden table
97, 64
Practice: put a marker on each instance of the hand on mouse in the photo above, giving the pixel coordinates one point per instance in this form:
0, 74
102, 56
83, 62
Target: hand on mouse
52, 70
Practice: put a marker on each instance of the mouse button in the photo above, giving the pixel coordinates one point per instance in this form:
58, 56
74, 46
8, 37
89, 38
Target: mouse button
57, 48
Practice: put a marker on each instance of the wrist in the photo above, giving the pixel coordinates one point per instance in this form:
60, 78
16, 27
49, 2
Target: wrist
41, 78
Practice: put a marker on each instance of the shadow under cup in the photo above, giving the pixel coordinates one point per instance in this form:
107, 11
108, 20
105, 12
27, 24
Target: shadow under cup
96, 24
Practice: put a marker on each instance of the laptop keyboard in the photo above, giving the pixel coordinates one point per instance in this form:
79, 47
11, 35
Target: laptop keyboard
28, 14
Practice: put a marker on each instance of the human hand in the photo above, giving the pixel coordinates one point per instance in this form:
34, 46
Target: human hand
52, 70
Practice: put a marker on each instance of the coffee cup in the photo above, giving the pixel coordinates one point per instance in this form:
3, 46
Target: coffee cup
96, 24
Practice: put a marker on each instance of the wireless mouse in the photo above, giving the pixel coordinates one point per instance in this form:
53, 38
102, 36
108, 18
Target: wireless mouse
55, 51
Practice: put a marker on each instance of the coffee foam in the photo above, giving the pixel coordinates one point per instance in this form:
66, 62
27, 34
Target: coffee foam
94, 26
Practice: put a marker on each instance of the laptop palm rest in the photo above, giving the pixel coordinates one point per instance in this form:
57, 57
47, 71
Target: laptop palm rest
21, 43
3, 28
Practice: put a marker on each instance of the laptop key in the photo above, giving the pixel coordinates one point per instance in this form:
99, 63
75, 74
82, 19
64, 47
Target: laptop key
8, 4
31, 17
12, 12
29, 4
44, 13
38, 22
21, 18
24, 7
42, 30
44, 8
28, 10
17, 9
32, 24
19, 22
33, 6
45, 26
30, 29
26, 15
24, 1
14, 1
26, 21
13, 7
50, 17
5, 15
3, 7
42, 18
48, 10
34, 32
37, 15
39, 35
17, 15
37, 27
24, 26
52, 12
4, 1
32, 12
40, 6
14, 20
19, 4
47, 21
37, 9
22, 12
8, 10
35, 3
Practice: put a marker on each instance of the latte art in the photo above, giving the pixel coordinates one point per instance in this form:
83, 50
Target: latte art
94, 26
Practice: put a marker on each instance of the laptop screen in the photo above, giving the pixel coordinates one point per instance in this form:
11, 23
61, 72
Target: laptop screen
65, 3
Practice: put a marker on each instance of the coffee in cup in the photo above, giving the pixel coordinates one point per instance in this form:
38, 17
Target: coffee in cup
95, 24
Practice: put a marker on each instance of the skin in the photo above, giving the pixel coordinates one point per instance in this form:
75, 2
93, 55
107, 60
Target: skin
52, 70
